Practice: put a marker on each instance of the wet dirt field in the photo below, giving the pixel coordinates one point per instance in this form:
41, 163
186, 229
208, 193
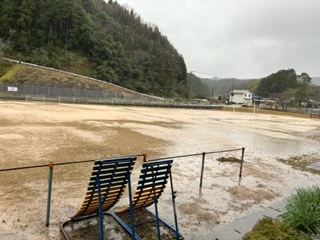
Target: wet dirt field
38, 133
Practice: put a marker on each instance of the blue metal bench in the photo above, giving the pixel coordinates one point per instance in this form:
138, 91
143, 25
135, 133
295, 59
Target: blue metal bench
107, 183
152, 182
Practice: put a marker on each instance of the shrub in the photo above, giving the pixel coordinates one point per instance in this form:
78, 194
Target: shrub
270, 229
302, 210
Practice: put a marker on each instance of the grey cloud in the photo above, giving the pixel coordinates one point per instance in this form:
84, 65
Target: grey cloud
239, 38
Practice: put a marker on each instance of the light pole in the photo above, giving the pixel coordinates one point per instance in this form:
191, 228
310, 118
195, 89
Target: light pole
213, 92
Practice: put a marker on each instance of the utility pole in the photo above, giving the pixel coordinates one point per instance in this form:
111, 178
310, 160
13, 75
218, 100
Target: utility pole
232, 91
213, 92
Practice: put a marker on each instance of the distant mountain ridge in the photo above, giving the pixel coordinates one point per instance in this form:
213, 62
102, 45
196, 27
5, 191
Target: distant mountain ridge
207, 87
316, 80
222, 86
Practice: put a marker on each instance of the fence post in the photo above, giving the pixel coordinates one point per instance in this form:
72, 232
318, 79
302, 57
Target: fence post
144, 157
49, 192
241, 163
202, 168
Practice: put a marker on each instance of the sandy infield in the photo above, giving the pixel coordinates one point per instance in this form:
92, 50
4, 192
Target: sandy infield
38, 133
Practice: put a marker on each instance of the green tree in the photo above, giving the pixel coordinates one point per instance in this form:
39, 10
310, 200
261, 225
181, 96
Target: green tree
278, 82
254, 86
304, 78
3, 47
303, 90
24, 20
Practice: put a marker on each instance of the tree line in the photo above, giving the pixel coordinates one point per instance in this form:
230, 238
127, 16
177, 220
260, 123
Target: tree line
287, 87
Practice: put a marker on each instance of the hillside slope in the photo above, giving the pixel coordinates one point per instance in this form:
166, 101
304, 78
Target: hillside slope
93, 38
14, 73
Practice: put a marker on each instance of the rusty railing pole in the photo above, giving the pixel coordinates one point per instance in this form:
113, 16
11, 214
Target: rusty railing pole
202, 168
144, 157
241, 163
49, 192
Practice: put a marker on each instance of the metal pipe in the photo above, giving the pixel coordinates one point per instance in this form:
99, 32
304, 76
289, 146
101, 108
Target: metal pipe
49, 192
131, 207
173, 196
155, 199
202, 168
144, 157
56, 164
241, 163
100, 217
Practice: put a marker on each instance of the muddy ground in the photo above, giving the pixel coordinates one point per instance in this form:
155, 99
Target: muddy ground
38, 133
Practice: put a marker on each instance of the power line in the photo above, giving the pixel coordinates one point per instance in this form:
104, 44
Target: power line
211, 74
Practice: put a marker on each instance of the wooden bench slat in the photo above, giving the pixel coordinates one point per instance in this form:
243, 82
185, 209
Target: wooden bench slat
113, 175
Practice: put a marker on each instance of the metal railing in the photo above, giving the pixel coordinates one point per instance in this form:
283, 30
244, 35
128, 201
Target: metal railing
51, 166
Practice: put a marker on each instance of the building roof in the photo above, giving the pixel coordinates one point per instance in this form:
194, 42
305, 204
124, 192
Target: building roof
241, 91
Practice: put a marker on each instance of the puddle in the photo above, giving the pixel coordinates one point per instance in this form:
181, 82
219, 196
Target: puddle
315, 166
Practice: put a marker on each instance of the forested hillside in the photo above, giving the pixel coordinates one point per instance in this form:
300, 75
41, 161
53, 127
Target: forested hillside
94, 38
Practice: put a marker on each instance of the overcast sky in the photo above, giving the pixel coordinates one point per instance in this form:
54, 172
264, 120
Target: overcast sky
239, 38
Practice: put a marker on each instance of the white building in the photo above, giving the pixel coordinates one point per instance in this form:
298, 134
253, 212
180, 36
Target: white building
241, 97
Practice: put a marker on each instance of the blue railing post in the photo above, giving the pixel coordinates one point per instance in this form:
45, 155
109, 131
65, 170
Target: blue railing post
157, 216
49, 192
131, 207
173, 196
100, 214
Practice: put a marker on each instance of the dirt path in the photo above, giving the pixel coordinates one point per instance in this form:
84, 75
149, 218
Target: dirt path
37, 133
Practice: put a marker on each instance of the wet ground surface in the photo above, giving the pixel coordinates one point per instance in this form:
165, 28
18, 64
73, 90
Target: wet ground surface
37, 133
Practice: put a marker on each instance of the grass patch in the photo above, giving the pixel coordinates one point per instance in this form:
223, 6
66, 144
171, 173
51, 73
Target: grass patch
5, 66
270, 229
300, 220
24, 74
8, 72
302, 210
229, 159
301, 162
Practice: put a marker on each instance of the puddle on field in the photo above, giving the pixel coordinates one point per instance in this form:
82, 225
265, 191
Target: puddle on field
315, 166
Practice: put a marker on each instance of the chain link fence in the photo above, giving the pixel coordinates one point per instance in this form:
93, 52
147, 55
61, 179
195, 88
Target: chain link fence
60, 94
53, 91
84, 95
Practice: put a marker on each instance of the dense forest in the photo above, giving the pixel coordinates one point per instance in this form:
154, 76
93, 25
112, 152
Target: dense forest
95, 38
